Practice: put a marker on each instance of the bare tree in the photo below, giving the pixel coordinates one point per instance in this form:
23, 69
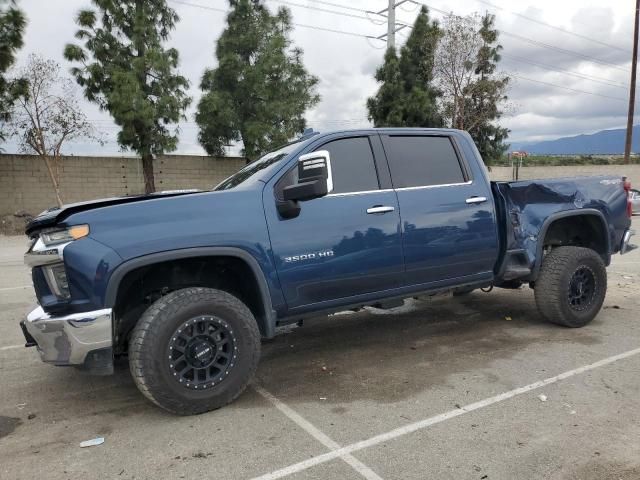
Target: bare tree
455, 65
48, 116
459, 69
474, 91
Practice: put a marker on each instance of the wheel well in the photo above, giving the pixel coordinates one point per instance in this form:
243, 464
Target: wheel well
578, 231
142, 286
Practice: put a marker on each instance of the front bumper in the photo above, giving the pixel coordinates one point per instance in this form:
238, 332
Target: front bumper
81, 339
625, 246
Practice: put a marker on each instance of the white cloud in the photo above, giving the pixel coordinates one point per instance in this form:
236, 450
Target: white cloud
345, 64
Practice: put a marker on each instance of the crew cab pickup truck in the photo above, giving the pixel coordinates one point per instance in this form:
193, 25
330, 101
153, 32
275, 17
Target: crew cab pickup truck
187, 283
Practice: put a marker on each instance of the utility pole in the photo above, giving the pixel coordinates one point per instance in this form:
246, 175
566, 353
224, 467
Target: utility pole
632, 91
392, 26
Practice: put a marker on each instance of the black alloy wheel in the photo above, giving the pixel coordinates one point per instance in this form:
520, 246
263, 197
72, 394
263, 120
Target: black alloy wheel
571, 286
194, 350
582, 288
202, 352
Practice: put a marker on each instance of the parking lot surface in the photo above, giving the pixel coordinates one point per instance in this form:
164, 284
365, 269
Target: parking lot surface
472, 387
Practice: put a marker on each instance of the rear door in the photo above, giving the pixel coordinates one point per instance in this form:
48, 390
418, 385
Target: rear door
346, 244
448, 228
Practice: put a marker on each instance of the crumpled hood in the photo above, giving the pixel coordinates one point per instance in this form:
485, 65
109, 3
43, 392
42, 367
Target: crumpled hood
52, 216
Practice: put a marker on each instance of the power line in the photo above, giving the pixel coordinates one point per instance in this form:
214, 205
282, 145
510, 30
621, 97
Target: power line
204, 7
564, 50
555, 27
342, 32
541, 44
339, 6
312, 27
592, 78
568, 88
371, 37
324, 10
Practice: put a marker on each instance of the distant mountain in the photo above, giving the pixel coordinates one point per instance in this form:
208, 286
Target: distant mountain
603, 142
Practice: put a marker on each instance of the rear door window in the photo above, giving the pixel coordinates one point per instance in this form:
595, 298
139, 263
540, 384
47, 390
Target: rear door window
420, 161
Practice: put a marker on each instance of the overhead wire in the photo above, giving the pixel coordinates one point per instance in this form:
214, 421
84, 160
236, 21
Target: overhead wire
555, 27
592, 78
538, 43
312, 27
371, 37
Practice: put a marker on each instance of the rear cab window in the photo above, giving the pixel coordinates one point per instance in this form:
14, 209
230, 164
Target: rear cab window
423, 161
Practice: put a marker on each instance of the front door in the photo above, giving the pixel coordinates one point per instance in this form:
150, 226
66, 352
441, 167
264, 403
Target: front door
343, 245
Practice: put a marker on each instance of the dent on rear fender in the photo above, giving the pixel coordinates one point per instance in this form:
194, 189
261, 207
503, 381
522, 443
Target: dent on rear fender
530, 203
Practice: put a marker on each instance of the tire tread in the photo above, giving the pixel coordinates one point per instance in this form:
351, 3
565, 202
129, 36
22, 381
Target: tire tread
143, 365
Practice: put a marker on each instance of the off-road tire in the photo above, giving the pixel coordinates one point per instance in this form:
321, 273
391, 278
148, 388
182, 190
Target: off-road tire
150, 366
555, 292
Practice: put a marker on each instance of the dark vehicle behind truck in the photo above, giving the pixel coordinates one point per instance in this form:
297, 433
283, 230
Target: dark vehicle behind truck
187, 283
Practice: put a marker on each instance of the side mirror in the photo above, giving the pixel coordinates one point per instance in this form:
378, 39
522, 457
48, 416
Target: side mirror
314, 177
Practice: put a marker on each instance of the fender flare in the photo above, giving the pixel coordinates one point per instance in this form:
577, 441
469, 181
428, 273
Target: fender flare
267, 324
565, 214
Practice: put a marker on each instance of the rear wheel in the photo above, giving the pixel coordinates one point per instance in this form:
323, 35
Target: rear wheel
571, 286
194, 350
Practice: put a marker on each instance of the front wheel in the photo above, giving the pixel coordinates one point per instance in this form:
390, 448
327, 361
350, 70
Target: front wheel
571, 286
194, 350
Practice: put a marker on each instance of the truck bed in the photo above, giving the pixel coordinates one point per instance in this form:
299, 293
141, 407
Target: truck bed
527, 208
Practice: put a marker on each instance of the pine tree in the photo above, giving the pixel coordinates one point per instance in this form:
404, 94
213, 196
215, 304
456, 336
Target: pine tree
406, 96
488, 92
260, 90
127, 71
386, 108
12, 25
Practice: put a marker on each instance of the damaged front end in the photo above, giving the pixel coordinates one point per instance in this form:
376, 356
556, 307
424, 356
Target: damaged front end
82, 340
62, 336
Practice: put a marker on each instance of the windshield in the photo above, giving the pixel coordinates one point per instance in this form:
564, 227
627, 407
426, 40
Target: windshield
254, 167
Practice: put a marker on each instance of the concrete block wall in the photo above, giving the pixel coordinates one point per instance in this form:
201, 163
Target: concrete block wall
25, 184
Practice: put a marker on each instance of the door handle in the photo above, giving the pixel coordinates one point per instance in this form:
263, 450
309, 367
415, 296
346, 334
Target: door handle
476, 199
380, 209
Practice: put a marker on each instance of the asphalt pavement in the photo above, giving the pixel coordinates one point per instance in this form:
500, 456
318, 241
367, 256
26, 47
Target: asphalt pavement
473, 387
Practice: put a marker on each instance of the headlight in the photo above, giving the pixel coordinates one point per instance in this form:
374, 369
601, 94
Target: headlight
55, 237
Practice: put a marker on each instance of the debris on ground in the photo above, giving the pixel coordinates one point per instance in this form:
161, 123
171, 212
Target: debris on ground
323, 398
542, 397
31, 416
508, 318
201, 455
92, 443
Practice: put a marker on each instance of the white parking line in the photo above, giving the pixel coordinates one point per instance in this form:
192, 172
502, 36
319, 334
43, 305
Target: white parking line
398, 432
14, 288
312, 430
11, 347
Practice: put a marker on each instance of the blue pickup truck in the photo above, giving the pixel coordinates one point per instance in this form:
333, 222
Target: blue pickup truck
187, 283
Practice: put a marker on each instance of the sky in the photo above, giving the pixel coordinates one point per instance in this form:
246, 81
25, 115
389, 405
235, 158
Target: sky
542, 40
